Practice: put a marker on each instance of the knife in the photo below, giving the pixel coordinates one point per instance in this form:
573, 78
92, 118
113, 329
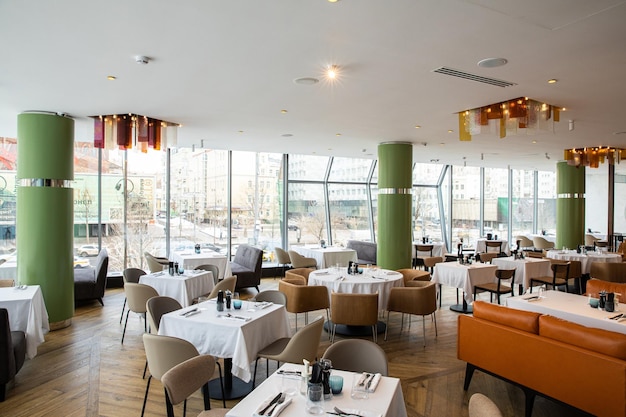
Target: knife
276, 398
369, 382
189, 311
616, 317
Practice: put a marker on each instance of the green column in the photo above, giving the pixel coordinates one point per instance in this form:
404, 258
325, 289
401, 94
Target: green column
395, 181
570, 205
45, 167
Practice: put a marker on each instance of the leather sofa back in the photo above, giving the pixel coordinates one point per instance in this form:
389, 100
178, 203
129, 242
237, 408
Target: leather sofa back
522, 320
594, 286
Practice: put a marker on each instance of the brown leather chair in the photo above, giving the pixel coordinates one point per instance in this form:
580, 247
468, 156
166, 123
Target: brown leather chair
354, 310
560, 276
419, 298
298, 273
487, 257
409, 274
302, 298
608, 271
498, 287
533, 254
424, 255
575, 271
8, 283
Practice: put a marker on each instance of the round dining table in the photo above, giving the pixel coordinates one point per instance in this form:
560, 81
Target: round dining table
585, 259
370, 281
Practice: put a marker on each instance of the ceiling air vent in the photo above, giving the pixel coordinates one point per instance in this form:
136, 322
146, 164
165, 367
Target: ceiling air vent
472, 77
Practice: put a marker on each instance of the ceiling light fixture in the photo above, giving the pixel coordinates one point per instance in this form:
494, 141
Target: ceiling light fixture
512, 117
492, 62
111, 77
283, 111
594, 156
306, 80
332, 72
127, 131
553, 81
143, 60
417, 126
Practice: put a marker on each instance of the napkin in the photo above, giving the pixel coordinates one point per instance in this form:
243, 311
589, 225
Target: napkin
271, 412
364, 413
370, 382
232, 317
530, 297
322, 273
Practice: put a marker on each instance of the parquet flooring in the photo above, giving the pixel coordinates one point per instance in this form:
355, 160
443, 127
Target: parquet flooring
83, 370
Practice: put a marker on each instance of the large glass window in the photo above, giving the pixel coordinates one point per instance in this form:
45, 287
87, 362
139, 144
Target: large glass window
546, 202
466, 205
307, 213
523, 202
620, 200
426, 219
496, 214
8, 193
349, 213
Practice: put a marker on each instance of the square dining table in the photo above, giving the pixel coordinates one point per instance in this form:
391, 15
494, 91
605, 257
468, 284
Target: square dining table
525, 269
183, 288
190, 260
387, 399
327, 257
237, 340
27, 313
465, 277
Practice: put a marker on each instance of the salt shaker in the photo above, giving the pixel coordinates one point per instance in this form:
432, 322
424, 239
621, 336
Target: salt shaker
220, 300
229, 297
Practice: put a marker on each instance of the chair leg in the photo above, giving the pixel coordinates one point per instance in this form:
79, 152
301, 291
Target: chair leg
424, 329
145, 397
123, 308
256, 362
332, 336
374, 333
435, 320
145, 368
387, 324
125, 323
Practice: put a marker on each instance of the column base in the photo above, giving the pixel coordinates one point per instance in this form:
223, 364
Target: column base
60, 325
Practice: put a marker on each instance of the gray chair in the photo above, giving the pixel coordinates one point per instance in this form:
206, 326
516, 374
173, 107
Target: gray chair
299, 261
137, 296
155, 308
273, 296
89, 282
247, 266
130, 275
357, 355
481, 406
214, 270
155, 263
12, 352
283, 258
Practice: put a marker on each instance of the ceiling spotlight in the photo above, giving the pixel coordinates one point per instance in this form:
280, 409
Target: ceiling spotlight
552, 81
332, 72
306, 80
111, 77
417, 126
141, 59
492, 62
283, 111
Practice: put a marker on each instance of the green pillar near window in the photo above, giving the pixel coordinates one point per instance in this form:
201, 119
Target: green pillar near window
395, 181
570, 205
45, 167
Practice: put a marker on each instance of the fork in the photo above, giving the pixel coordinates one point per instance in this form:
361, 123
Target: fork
345, 413
277, 403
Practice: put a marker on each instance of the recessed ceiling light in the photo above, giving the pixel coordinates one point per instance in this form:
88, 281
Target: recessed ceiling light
552, 81
333, 1
620, 133
450, 131
306, 80
492, 62
332, 72
442, 144
287, 135
111, 77
283, 111
417, 126
337, 134
240, 131
534, 141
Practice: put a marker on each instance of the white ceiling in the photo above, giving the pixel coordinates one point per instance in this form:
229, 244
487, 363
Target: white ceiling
221, 67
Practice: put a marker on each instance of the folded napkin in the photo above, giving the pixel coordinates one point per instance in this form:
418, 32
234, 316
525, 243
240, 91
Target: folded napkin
273, 410
261, 306
370, 381
322, 273
233, 317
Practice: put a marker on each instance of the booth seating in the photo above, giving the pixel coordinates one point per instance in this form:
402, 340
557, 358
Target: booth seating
90, 282
365, 251
12, 352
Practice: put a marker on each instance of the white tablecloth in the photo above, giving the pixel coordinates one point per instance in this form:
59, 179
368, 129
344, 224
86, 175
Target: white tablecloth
387, 400
183, 288
364, 283
525, 269
439, 248
190, 260
481, 246
27, 313
464, 277
327, 257
228, 337
585, 260
572, 307
8, 270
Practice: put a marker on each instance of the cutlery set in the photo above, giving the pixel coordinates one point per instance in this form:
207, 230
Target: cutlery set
276, 401
190, 312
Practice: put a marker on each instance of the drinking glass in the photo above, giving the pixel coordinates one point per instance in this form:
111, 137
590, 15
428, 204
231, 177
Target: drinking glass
236, 301
315, 399
359, 392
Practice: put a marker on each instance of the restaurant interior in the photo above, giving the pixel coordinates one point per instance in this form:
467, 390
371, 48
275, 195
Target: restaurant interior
355, 165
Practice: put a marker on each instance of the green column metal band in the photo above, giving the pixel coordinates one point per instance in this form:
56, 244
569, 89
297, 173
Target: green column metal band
570, 205
45, 155
395, 170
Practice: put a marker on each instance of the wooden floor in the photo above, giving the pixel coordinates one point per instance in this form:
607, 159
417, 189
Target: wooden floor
83, 370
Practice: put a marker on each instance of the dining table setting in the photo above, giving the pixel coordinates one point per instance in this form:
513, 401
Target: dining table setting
352, 394
183, 287
327, 256
464, 276
585, 258
234, 334
525, 268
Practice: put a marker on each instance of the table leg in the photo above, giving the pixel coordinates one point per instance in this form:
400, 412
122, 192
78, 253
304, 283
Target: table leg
462, 308
233, 386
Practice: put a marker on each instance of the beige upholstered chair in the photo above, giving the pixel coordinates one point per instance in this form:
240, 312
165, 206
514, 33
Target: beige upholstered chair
498, 287
481, 406
542, 244
10, 283
357, 355
524, 243
155, 264
409, 274
226, 284
303, 345
273, 296
590, 239
609, 271
186, 378
302, 298
214, 269
354, 310
297, 273
137, 296
130, 275
163, 353
560, 276
299, 261
282, 256
418, 297
155, 308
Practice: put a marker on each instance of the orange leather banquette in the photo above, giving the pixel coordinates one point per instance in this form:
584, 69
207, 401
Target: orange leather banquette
573, 364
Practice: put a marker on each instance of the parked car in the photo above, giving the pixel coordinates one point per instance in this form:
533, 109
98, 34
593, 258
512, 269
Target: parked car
88, 250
